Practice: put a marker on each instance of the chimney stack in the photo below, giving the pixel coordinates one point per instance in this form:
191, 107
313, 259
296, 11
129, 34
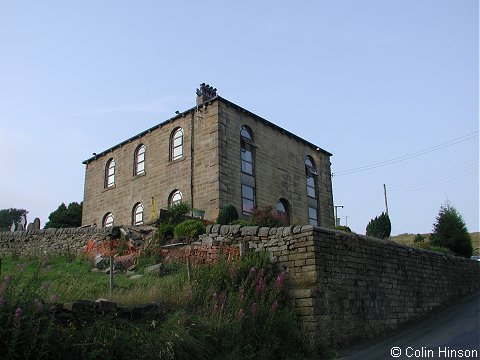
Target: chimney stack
205, 93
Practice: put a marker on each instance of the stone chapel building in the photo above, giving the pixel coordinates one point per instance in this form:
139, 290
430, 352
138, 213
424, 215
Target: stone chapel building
214, 154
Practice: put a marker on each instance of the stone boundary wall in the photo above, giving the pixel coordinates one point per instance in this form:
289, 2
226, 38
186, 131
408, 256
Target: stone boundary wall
48, 241
348, 287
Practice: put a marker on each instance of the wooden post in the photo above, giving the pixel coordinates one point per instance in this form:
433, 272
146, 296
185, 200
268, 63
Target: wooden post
189, 276
111, 274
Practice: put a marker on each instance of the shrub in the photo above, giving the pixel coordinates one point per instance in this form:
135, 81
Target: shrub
380, 227
450, 231
190, 229
343, 228
241, 222
177, 211
227, 215
264, 217
419, 238
164, 231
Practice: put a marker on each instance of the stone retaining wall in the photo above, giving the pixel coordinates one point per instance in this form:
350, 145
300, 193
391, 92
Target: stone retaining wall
347, 287
48, 241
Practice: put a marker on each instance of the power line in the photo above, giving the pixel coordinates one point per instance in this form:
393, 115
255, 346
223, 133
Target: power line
450, 172
408, 156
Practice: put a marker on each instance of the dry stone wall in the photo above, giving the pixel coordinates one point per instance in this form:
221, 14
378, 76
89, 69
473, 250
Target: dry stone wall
48, 241
347, 287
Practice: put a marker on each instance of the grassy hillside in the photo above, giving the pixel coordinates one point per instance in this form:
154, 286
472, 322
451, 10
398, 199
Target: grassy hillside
407, 239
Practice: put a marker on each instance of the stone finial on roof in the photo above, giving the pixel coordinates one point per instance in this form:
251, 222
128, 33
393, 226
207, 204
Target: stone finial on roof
205, 93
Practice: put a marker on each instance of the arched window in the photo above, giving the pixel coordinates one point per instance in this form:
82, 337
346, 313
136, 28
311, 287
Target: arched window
137, 214
246, 144
283, 211
175, 198
176, 144
139, 161
247, 160
311, 174
108, 220
110, 173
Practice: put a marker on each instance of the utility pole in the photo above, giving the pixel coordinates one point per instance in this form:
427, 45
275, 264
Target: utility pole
385, 195
346, 220
335, 207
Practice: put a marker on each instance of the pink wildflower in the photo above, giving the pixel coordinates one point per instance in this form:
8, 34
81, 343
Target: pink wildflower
241, 296
53, 298
274, 306
17, 317
240, 314
38, 305
260, 287
254, 310
279, 281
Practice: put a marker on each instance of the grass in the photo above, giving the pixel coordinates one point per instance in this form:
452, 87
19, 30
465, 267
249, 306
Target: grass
407, 239
231, 310
72, 279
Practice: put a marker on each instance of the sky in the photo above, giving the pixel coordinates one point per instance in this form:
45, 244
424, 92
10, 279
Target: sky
390, 88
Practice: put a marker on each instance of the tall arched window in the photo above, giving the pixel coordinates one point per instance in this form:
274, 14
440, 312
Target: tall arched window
110, 173
137, 214
283, 211
246, 143
139, 161
311, 174
176, 144
175, 198
108, 220
247, 160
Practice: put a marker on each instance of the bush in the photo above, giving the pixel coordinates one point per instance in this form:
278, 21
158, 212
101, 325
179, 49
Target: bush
419, 238
380, 227
177, 211
450, 231
342, 228
190, 229
164, 231
227, 215
264, 217
241, 222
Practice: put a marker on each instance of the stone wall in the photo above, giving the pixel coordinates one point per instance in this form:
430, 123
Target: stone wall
347, 287
48, 241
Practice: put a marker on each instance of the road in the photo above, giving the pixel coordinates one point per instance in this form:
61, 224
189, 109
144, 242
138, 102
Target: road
453, 332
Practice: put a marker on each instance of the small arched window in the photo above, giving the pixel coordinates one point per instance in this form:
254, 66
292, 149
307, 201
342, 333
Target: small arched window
310, 175
108, 220
283, 211
137, 214
175, 198
176, 144
139, 161
110, 173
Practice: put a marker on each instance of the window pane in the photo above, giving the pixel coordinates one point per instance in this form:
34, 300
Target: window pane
247, 205
111, 180
312, 215
177, 142
245, 133
247, 167
311, 192
281, 207
246, 155
140, 168
177, 152
141, 157
247, 192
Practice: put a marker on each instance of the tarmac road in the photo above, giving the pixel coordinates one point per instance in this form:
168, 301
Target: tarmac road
451, 333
